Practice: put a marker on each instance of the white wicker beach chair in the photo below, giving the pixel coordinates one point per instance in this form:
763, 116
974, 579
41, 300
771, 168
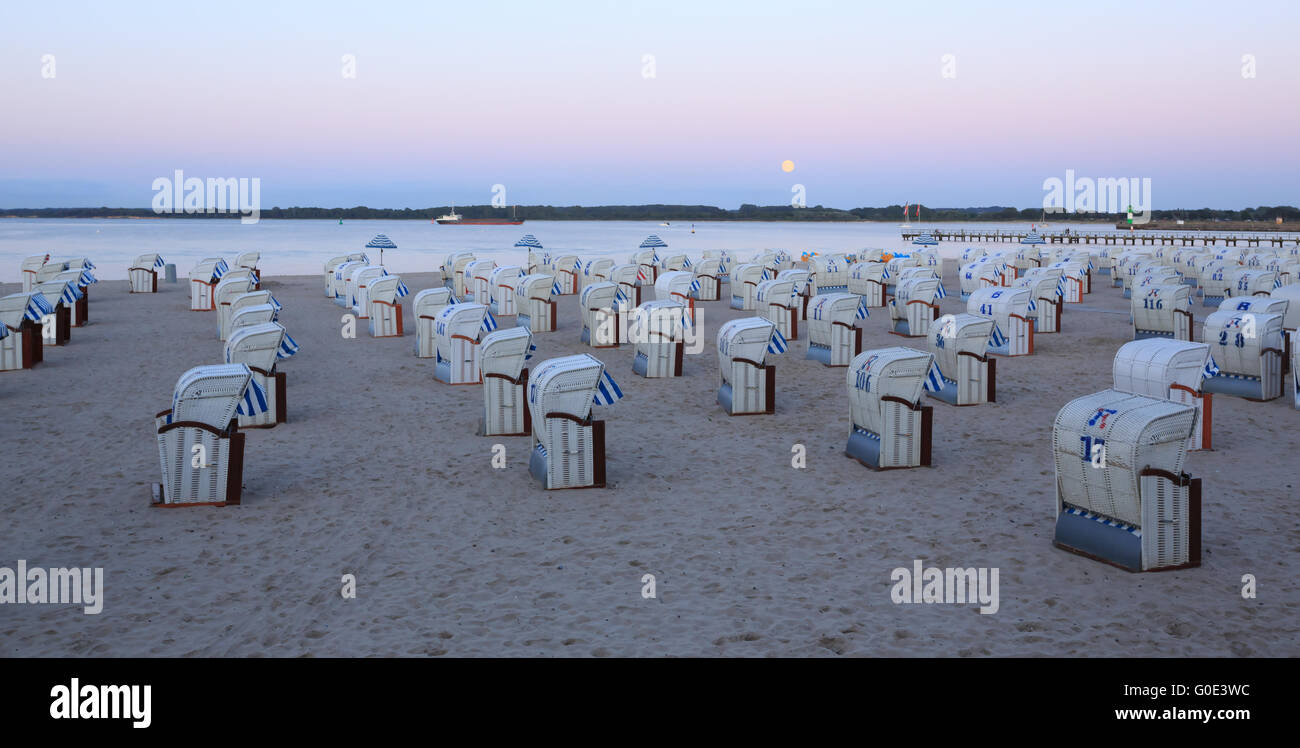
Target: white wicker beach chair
830, 274
426, 306
914, 307
1248, 282
890, 427
658, 330
675, 285
1047, 290
1150, 278
504, 356
596, 270
358, 288
1162, 311
982, 272
229, 287
568, 444
600, 318
1172, 370
478, 281
1121, 495
775, 301
834, 338
337, 284
203, 281
1076, 277
385, 296
535, 309
248, 261
31, 267
1248, 349
867, 279
647, 266
205, 404
675, 261
566, 269
260, 347
625, 277
1013, 332
803, 288
746, 384
459, 329
1123, 264
501, 282
959, 344
707, 282
896, 264
453, 272
143, 273
1213, 280
82, 279
744, 284
21, 315
62, 297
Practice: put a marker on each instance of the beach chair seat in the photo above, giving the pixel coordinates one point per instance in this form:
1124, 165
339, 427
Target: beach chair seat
478, 281
428, 303
1162, 311
260, 347
504, 354
143, 273
915, 306
336, 277
968, 373
200, 448
1121, 495
600, 317
1047, 290
746, 383
1013, 332
1248, 350
867, 279
385, 296
460, 328
658, 330
534, 305
253, 298
1169, 369
568, 443
203, 283
672, 261
22, 315
61, 296
890, 428
744, 284
834, 338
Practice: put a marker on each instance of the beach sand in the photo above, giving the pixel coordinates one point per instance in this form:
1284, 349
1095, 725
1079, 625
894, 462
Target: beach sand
378, 473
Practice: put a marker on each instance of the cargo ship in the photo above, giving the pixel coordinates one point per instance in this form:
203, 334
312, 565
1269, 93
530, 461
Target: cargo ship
455, 219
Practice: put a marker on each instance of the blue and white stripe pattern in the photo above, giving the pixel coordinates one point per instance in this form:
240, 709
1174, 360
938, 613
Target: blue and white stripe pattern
1060, 287
695, 286
380, 241
653, 242
70, 294
925, 239
885, 274
529, 241
219, 270
532, 348
1033, 237
686, 263
1033, 305
158, 261
555, 289
619, 295
276, 305
777, 343
288, 347
489, 322
1103, 520
37, 307
862, 312
253, 403
1211, 369
765, 275
934, 377
607, 392
996, 338
940, 293
86, 278
402, 290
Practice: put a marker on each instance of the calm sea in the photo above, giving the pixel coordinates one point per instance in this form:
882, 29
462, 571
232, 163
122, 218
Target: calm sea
300, 247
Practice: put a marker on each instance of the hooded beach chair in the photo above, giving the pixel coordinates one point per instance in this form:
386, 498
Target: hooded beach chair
385, 314
595, 271
229, 287
707, 283
744, 284
358, 288
1213, 281
535, 309
867, 279
1028, 256
203, 282
1121, 494
914, 307
833, 335
478, 281
82, 278
675, 285
1013, 332
968, 374
625, 277
983, 272
30, 270
1245, 282
260, 347
568, 444
1123, 264
675, 261
248, 261
1152, 276
971, 254
200, 447
332, 263
504, 355
896, 264
1047, 290
829, 274
428, 303
1162, 311
338, 284
890, 427
803, 288
62, 297
1173, 370
658, 330
746, 384
143, 273
775, 300
1248, 349
460, 329
255, 314
502, 282
453, 272
566, 269
22, 315
600, 318
1076, 279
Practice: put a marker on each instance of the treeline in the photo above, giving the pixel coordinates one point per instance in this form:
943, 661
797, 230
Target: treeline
684, 213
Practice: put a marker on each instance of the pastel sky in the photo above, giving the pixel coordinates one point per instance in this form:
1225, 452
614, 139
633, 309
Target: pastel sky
553, 101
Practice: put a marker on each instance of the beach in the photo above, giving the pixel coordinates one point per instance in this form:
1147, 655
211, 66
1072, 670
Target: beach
379, 474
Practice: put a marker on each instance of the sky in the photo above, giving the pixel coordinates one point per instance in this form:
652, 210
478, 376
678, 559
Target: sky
950, 104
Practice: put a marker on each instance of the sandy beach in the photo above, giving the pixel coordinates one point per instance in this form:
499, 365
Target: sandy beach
378, 473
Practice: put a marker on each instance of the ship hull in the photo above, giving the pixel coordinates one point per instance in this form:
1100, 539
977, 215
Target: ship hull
480, 222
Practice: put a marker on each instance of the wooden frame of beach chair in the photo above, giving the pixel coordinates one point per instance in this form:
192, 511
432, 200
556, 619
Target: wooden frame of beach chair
1248, 349
1121, 495
914, 307
425, 308
459, 330
258, 348
744, 285
600, 317
501, 282
566, 269
535, 309
658, 330
1173, 370
203, 282
228, 288
204, 410
746, 384
708, 277
834, 338
504, 356
960, 349
62, 296
568, 444
889, 427
1162, 311
478, 281
142, 276
1046, 288
22, 348
774, 300
867, 279
385, 314
1009, 310
595, 270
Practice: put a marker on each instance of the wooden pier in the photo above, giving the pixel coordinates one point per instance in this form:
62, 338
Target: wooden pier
1118, 238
